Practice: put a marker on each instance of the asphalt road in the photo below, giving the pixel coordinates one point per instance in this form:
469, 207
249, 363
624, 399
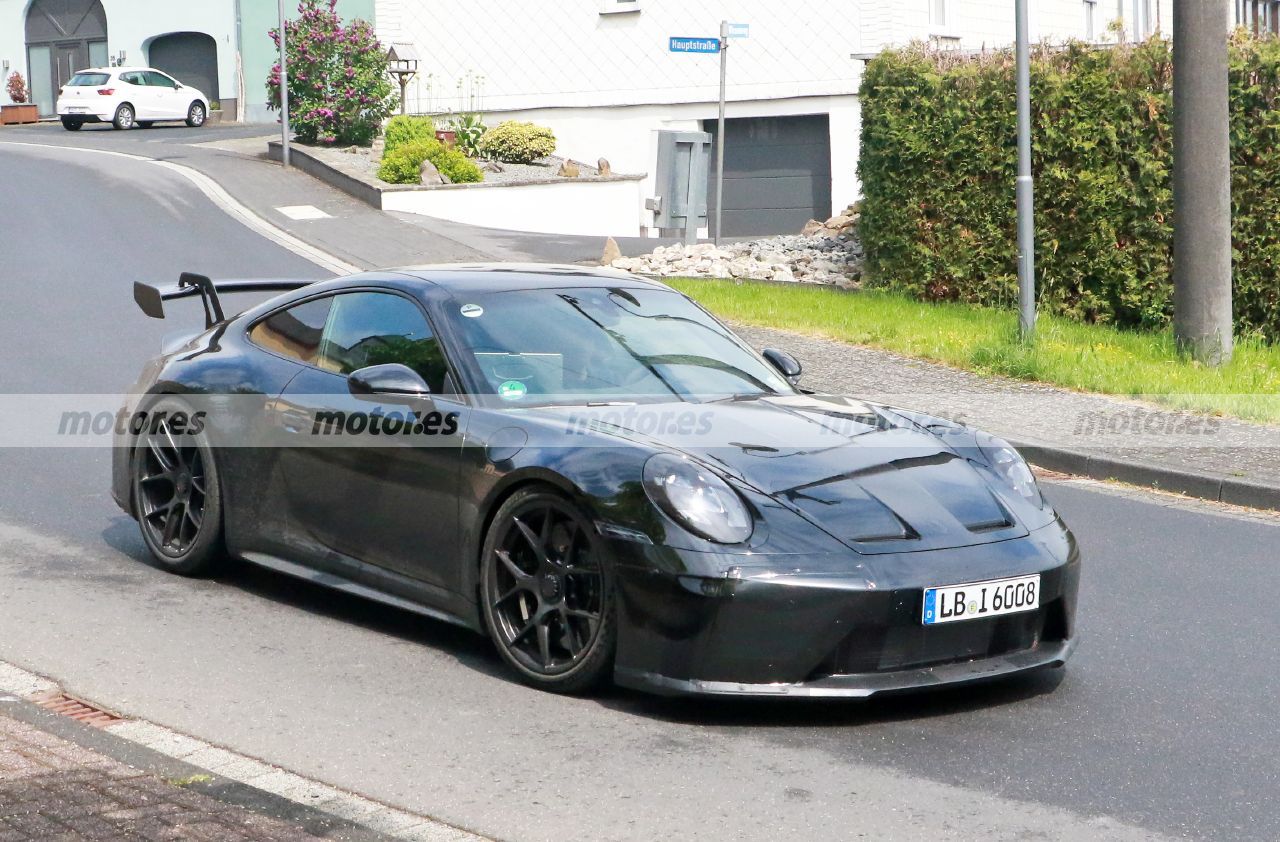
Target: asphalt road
1163, 724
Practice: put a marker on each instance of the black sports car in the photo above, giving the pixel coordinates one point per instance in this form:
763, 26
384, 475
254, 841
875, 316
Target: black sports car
591, 469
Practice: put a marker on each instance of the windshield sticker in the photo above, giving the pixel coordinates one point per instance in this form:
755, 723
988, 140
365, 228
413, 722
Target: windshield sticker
512, 390
472, 311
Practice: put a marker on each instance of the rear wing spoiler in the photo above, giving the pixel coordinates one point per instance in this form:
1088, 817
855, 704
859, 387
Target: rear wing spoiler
150, 298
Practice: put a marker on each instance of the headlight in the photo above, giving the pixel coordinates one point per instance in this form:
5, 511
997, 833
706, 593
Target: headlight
697, 499
1009, 465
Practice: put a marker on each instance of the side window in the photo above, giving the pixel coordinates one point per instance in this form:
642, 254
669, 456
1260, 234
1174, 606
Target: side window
131, 78
375, 328
159, 80
295, 332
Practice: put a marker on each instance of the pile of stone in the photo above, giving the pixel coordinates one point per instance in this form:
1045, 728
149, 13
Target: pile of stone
825, 253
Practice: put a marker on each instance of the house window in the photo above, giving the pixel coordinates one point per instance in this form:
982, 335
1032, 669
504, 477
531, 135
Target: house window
938, 14
1090, 20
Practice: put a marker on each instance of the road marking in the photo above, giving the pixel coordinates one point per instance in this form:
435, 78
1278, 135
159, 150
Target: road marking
228, 205
301, 212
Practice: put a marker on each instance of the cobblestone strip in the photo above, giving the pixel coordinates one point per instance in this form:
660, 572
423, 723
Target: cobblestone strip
52, 788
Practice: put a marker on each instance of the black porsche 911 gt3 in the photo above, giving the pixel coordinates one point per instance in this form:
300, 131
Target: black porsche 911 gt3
591, 469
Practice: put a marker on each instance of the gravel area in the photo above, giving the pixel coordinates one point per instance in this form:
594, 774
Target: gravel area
1103, 426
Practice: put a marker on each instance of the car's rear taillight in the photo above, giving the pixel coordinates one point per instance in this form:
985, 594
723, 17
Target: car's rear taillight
106, 91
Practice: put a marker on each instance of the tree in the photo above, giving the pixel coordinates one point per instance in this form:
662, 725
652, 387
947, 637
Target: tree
339, 89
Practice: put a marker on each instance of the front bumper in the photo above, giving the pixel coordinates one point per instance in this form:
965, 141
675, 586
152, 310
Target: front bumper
858, 633
864, 685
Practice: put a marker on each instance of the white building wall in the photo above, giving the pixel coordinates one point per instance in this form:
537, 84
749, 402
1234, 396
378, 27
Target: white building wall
606, 83
130, 25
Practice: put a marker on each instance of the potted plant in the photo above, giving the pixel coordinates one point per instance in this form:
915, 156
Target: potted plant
214, 117
21, 111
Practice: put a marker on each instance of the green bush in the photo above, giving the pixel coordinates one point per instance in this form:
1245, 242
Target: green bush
454, 165
513, 142
404, 129
939, 158
339, 89
403, 164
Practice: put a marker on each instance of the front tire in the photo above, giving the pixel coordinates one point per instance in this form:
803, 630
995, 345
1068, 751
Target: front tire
196, 115
72, 125
177, 492
124, 118
547, 593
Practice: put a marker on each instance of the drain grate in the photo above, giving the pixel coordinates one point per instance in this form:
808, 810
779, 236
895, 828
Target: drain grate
77, 709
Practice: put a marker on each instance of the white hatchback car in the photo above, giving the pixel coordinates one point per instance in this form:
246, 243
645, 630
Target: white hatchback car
128, 97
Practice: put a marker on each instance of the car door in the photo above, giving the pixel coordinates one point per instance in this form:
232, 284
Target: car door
135, 91
375, 480
164, 96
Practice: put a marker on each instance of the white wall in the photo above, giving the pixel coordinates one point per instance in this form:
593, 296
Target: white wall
599, 208
130, 23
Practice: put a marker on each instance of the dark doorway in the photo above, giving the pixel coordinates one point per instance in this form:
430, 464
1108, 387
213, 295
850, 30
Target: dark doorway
63, 38
189, 57
777, 173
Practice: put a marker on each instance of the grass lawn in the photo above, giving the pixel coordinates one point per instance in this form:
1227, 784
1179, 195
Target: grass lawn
1091, 358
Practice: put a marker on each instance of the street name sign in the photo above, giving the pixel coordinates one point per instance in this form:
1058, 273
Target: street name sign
695, 45
738, 30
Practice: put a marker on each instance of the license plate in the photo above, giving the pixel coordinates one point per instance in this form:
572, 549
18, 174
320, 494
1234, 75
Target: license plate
981, 599
75, 109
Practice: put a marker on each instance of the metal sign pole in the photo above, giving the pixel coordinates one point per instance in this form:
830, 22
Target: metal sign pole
1025, 186
724, 66
284, 94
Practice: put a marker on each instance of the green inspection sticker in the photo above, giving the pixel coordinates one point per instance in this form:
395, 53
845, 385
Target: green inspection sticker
512, 390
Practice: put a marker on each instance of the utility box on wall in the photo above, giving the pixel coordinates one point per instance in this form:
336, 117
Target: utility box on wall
684, 161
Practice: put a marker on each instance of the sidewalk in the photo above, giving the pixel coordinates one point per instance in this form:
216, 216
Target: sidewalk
54, 789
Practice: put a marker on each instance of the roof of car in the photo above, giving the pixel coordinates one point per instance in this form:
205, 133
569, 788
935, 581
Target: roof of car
499, 277
114, 69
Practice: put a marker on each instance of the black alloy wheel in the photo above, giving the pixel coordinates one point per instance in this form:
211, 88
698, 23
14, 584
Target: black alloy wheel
547, 593
176, 493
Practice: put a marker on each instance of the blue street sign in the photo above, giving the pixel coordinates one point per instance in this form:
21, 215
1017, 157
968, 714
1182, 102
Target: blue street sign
695, 45
738, 30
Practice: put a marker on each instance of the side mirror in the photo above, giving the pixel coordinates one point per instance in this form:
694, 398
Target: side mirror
787, 365
389, 381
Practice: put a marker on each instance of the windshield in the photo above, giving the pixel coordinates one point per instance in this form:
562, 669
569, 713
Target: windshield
590, 345
88, 80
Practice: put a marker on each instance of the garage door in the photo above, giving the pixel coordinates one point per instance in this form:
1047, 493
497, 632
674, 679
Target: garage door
189, 57
777, 173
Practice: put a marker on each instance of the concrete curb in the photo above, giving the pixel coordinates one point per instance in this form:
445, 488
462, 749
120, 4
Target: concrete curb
1215, 487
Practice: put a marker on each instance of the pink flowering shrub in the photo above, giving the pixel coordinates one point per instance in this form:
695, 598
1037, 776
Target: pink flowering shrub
339, 90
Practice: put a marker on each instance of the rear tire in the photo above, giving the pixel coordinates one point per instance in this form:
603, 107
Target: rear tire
196, 114
124, 118
546, 590
72, 125
177, 492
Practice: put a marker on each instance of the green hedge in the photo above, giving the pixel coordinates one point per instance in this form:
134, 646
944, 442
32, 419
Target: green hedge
939, 158
402, 164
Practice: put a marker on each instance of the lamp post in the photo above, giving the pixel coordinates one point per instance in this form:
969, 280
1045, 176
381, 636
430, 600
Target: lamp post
1025, 185
284, 94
